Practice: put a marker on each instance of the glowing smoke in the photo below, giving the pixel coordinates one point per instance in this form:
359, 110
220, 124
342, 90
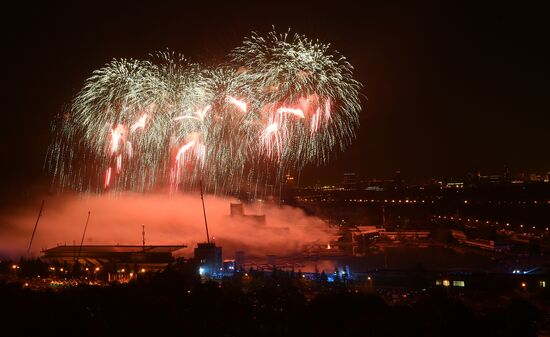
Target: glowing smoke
167, 220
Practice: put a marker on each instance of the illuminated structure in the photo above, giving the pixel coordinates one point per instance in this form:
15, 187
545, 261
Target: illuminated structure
209, 259
228, 266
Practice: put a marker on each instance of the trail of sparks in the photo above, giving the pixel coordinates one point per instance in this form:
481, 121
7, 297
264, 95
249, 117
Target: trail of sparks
119, 163
139, 124
107, 177
180, 156
202, 113
315, 121
327, 109
238, 103
116, 135
199, 114
296, 112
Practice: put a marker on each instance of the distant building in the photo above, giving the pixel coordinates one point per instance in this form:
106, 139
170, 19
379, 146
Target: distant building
405, 235
237, 211
290, 182
507, 176
492, 245
229, 266
240, 259
152, 257
398, 179
374, 185
115, 263
448, 283
459, 235
350, 181
473, 178
536, 177
272, 260
209, 259
362, 237
454, 184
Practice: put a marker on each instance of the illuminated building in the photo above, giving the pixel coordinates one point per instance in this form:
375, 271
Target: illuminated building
209, 259
229, 266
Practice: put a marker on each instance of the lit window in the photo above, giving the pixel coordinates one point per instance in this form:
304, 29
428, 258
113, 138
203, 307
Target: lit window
446, 283
542, 284
458, 284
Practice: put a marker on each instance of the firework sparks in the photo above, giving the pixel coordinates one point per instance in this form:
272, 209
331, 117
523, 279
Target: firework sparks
116, 136
298, 102
139, 124
296, 112
202, 113
327, 109
271, 141
129, 150
238, 103
118, 163
314, 122
107, 177
199, 114
180, 156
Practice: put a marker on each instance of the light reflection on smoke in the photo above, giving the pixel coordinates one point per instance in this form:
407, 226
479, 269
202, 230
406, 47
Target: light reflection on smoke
167, 220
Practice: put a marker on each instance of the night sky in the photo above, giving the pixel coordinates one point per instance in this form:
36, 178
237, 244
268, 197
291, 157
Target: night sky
447, 88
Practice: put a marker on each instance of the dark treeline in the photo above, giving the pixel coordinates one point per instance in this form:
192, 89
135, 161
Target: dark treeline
176, 302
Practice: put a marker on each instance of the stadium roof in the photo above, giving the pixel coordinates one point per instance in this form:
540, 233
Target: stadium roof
104, 254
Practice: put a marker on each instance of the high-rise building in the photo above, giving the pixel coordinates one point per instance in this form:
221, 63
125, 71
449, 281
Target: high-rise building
398, 179
473, 178
507, 176
240, 259
350, 181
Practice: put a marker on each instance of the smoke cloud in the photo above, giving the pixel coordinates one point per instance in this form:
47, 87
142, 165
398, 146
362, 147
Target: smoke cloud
167, 219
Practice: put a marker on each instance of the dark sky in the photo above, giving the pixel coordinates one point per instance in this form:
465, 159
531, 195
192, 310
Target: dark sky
450, 87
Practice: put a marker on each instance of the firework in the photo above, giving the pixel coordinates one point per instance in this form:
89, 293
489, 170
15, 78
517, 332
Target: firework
280, 102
